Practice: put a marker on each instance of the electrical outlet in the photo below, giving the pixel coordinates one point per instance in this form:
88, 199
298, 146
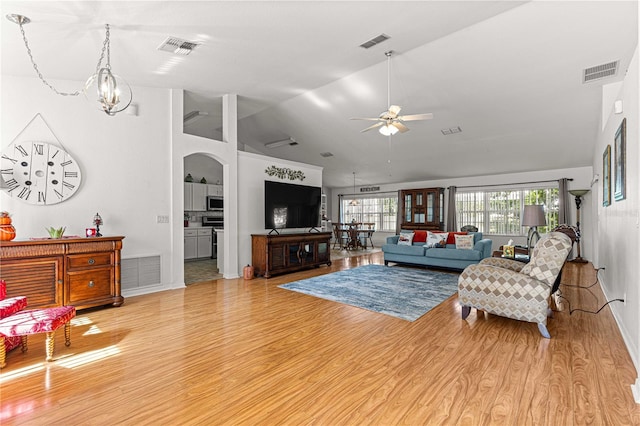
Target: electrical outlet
162, 219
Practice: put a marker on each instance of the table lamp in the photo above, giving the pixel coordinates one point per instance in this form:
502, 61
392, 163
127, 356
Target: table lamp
97, 221
578, 193
533, 216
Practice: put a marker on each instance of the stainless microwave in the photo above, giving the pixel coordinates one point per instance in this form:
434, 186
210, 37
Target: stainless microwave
215, 203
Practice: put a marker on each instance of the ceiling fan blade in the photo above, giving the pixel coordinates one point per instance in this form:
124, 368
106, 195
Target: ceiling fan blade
394, 110
415, 117
382, 123
401, 127
364, 118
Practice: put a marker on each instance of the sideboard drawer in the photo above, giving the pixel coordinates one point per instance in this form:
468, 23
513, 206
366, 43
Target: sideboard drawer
89, 285
88, 260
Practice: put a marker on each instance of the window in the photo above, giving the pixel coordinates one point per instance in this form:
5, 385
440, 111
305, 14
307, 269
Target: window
381, 210
498, 212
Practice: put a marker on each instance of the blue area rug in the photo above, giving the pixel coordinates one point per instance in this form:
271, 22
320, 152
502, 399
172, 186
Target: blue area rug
404, 293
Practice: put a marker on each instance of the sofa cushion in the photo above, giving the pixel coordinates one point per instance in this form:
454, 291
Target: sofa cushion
435, 239
469, 255
405, 239
417, 250
464, 242
420, 237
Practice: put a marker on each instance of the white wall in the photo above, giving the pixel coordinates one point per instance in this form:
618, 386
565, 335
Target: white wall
251, 177
581, 179
618, 224
124, 162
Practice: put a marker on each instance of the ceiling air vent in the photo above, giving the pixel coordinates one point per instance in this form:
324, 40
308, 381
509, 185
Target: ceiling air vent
177, 46
376, 40
600, 71
326, 154
451, 130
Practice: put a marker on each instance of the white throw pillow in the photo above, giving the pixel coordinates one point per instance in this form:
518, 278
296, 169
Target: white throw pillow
405, 239
464, 242
436, 240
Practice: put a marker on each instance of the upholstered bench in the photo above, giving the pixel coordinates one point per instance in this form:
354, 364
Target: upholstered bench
35, 321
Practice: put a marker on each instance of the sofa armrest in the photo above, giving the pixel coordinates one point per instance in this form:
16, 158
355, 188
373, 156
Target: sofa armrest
484, 246
393, 239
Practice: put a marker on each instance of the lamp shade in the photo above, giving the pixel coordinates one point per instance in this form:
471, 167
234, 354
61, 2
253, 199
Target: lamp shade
578, 192
533, 215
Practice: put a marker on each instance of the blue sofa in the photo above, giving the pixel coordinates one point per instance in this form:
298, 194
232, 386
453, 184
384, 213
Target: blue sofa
448, 257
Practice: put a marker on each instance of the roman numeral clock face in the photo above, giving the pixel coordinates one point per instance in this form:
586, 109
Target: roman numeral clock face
39, 173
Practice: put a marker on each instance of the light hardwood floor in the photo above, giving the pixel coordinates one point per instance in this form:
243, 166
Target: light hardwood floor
234, 352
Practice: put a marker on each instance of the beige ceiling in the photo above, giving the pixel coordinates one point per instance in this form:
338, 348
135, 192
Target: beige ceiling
508, 73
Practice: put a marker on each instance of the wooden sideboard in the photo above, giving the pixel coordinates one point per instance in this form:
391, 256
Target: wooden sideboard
281, 253
83, 272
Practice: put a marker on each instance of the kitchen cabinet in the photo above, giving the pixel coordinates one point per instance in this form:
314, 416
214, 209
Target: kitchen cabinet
204, 242
215, 190
195, 197
190, 243
197, 243
421, 209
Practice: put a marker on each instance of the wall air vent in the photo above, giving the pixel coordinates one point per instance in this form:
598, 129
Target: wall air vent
376, 40
177, 46
600, 71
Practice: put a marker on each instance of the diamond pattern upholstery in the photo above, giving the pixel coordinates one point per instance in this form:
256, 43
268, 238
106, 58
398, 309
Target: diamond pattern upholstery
521, 292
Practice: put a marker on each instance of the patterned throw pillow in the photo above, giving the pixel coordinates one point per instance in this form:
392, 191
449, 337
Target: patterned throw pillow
464, 242
436, 239
405, 239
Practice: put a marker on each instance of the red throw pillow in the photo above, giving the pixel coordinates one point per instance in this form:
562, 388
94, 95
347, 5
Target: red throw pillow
420, 237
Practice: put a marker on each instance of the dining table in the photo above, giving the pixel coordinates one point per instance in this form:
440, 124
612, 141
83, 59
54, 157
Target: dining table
356, 235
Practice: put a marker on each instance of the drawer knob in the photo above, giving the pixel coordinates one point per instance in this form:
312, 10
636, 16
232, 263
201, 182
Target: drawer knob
91, 283
91, 261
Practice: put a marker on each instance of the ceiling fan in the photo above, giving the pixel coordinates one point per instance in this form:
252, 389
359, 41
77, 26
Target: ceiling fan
389, 122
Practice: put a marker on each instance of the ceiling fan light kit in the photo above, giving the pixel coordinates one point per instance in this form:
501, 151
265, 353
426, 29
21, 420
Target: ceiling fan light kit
113, 93
389, 122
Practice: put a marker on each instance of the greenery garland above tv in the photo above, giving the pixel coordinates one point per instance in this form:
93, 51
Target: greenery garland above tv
284, 173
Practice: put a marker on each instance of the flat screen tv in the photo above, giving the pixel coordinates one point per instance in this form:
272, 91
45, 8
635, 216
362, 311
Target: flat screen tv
291, 206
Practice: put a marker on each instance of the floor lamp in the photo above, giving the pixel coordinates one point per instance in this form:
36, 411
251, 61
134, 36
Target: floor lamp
533, 216
578, 193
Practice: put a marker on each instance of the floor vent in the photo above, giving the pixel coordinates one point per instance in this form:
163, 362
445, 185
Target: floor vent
139, 272
600, 71
376, 40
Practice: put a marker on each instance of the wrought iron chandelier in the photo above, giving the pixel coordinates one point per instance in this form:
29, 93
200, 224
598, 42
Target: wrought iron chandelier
111, 91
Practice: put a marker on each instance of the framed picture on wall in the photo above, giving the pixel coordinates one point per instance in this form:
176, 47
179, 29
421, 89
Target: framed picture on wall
620, 157
606, 176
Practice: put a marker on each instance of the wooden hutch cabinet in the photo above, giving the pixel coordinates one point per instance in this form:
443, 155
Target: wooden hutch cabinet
281, 253
82, 272
421, 209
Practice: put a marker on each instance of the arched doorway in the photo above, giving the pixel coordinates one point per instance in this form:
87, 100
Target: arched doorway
203, 218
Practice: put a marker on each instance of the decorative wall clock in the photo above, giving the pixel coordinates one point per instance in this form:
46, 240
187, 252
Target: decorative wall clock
39, 172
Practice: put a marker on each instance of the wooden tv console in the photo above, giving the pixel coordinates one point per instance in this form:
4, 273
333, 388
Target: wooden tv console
281, 253
83, 272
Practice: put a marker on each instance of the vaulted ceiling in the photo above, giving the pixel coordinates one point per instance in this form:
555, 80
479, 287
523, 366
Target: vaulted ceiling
508, 73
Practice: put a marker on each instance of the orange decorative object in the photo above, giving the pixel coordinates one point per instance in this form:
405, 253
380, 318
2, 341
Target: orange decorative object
5, 218
7, 232
248, 272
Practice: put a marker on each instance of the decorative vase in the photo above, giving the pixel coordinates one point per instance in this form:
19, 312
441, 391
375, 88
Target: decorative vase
189, 178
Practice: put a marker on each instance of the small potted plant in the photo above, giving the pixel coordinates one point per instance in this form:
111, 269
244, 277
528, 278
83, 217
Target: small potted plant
56, 233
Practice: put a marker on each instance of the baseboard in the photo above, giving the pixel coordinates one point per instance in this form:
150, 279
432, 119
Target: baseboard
635, 389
